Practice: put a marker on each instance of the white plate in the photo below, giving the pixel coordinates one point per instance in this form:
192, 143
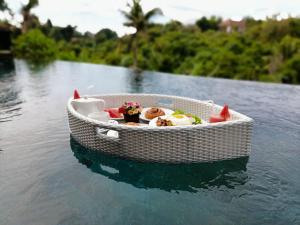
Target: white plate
152, 123
167, 112
120, 118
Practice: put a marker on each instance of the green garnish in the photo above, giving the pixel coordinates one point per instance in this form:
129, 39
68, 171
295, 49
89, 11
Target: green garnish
197, 120
177, 111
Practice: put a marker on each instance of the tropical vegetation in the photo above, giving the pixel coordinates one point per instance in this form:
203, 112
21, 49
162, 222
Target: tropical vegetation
139, 20
264, 50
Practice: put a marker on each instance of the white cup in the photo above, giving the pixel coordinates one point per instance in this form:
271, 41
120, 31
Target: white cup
85, 106
100, 116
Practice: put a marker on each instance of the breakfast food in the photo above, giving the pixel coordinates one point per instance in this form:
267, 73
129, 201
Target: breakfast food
223, 116
163, 122
131, 111
180, 120
216, 119
193, 118
153, 113
173, 120
225, 112
114, 113
76, 94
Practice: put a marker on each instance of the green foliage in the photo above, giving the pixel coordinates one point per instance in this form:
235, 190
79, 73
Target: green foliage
31, 4
104, 35
291, 70
272, 30
3, 5
68, 32
139, 20
289, 46
267, 51
126, 61
35, 46
211, 23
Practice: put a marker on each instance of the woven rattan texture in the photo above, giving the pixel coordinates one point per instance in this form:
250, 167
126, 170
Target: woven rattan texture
170, 145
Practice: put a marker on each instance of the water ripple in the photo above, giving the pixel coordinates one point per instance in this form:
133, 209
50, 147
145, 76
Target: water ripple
46, 178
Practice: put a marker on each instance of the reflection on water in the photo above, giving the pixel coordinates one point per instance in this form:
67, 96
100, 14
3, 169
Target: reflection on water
9, 95
36, 68
41, 182
7, 68
135, 80
181, 177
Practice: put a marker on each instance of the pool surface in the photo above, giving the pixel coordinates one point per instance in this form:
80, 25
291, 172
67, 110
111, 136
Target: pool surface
48, 178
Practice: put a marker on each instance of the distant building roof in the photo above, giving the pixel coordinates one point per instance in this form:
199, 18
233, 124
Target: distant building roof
230, 25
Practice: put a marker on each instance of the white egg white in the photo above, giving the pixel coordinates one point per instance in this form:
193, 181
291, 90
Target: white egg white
180, 120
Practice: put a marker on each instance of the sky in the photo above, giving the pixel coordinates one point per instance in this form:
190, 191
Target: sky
93, 15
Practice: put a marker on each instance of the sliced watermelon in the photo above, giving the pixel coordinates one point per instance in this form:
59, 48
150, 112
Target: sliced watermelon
216, 119
76, 94
225, 112
114, 113
122, 110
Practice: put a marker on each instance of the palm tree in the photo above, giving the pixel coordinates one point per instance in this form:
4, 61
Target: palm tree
28, 19
139, 20
4, 7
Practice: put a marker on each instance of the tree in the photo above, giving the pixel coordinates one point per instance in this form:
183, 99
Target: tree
35, 47
68, 32
49, 24
29, 20
211, 23
104, 35
3, 5
139, 20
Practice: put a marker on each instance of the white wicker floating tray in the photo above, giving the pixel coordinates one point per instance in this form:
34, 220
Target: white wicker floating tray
178, 144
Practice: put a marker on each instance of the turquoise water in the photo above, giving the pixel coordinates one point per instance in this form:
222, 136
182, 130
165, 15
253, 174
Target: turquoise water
48, 178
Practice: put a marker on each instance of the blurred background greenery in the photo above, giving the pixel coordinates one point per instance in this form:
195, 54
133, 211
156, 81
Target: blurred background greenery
262, 50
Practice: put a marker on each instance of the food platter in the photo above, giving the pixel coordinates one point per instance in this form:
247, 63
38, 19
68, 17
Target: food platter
153, 122
143, 117
162, 142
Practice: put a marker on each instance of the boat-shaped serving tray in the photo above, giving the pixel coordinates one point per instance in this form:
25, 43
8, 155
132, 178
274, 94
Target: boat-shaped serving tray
178, 144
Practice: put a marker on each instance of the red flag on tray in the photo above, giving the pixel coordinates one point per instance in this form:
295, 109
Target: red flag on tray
76, 94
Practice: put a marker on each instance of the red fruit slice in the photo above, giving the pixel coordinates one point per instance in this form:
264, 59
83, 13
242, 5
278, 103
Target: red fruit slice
225, 112
113, 113
216, 119
76, 94
122, 110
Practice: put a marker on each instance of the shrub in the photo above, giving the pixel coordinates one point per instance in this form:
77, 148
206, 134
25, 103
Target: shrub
35, 47
127, 61
291, 70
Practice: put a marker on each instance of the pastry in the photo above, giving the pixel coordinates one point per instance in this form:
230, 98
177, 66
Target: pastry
153, 113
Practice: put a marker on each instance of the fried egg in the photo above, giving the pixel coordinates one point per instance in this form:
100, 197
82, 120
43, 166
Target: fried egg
179, 120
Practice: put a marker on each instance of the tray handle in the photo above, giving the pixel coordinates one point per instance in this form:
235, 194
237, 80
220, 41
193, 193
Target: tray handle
109, 135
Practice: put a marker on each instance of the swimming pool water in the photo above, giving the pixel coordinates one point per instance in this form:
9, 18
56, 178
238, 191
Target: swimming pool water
48, 178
